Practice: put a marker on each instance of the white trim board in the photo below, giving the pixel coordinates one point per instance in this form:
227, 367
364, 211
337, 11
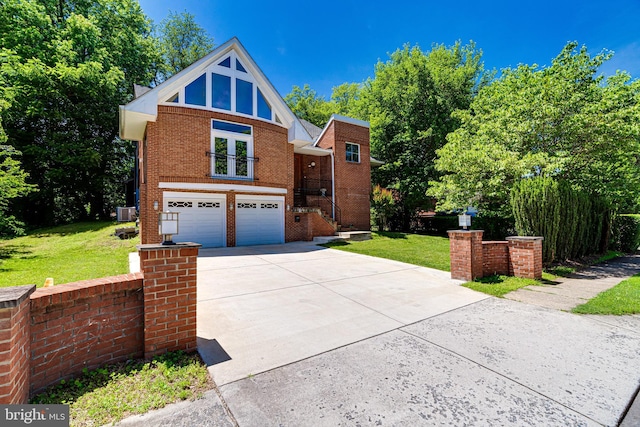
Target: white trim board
221, 187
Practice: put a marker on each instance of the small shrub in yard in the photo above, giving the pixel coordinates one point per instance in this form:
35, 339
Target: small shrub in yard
111, 393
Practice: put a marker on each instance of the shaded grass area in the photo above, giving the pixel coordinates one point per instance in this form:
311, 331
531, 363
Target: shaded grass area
624, 298
426, 251
67, 254
109, 394
499, 285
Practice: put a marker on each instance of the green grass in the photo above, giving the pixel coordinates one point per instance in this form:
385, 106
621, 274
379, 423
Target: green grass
109, 394
624, 298
499, 285
67, 254
426, 251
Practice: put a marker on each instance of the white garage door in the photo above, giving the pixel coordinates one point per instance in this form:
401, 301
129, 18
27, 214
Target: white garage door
201, 219
259, 220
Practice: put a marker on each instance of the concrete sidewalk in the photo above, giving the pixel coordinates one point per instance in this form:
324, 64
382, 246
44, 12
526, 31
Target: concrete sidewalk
494, 362
565, 293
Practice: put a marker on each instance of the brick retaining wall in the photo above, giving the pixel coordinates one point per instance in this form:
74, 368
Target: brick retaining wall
471, 258
54, 333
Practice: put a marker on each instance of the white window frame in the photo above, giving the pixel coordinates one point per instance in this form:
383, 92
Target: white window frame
347, 152
231, 138
229, 72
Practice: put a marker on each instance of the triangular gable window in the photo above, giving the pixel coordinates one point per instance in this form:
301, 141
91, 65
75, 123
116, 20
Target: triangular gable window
264, 109
226, 85
195, 93
239, 67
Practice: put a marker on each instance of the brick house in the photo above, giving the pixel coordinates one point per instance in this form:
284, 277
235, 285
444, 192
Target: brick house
217, 143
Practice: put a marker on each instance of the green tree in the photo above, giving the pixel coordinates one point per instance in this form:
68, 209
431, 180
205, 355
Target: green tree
181, 43
69, 64
409, 104
308, 105
562, 121
346, 100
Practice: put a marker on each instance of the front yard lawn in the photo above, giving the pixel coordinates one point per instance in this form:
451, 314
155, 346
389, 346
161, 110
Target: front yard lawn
67, 254
624, 298
426, 251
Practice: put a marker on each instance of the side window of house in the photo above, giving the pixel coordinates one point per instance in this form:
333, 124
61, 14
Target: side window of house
353, 153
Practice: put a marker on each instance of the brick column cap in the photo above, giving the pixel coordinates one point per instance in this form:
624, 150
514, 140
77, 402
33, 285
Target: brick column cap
525, 238
464, 231
13, 296
158, 246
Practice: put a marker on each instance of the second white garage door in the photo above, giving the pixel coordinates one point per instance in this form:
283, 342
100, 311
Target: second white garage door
202, 217
259, 220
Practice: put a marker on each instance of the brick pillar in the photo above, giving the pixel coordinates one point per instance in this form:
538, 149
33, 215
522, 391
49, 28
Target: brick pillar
169, 288
466, 254
525, 256
15, 344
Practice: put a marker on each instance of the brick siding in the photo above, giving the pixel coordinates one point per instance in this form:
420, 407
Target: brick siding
352, 180
175, 149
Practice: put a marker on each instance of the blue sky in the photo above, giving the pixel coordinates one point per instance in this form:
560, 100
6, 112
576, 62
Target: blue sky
331, 42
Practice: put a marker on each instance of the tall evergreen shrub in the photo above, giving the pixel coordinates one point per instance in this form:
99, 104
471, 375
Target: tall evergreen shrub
570, 220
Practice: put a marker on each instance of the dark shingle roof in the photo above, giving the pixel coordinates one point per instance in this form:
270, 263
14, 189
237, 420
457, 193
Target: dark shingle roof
313, 130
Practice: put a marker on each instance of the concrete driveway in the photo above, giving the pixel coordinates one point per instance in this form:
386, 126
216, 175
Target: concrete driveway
298, 335
262, 307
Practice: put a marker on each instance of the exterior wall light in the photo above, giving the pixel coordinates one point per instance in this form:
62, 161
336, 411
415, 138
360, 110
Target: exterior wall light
464, 221
167, 226
155, 205
312, 164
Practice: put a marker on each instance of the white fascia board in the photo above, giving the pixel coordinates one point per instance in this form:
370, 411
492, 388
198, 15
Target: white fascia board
312, 151
134, 124
343, 119
220, 187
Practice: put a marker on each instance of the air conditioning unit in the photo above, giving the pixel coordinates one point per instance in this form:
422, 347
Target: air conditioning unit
126, 214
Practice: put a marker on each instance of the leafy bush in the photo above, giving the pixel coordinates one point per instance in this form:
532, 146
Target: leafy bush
10, 226
570, 220
625, 233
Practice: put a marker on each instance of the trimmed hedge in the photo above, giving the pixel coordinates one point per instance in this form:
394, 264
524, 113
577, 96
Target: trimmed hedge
571, 221
625, 233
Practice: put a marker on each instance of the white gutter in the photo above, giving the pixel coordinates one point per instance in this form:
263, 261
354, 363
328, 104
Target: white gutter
333, 187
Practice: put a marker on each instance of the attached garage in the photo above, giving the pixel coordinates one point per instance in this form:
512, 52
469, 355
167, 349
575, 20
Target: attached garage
259, 220
202, 217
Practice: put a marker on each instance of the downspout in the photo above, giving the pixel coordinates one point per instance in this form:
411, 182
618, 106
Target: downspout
333, 186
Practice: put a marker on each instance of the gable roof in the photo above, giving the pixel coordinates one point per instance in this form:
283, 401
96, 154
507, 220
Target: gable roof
135, 115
